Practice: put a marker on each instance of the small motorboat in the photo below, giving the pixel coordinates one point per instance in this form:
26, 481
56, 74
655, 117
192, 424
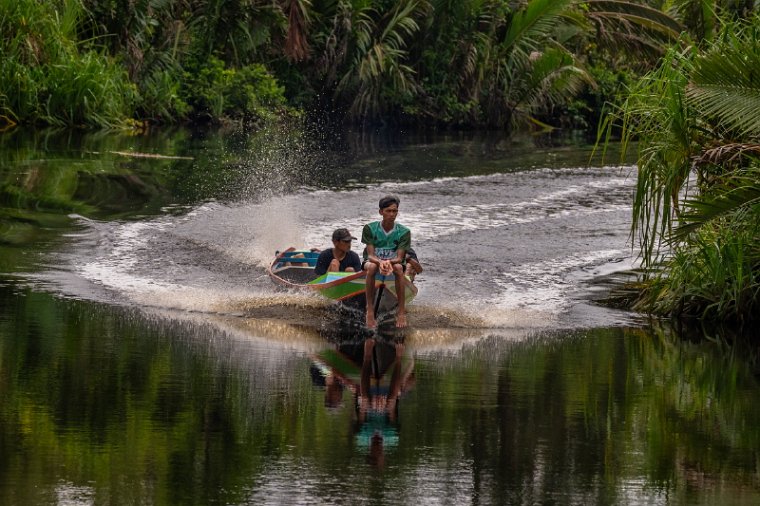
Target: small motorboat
294, 268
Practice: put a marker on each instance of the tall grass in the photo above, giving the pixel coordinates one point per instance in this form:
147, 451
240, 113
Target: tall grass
715, 277
46, 77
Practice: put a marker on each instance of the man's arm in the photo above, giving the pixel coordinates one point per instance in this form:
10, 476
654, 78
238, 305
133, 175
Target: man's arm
355, 261
323, 262
371, 254
369, 239
403, 245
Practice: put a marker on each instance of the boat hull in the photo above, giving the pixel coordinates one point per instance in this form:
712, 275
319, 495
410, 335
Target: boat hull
295, 269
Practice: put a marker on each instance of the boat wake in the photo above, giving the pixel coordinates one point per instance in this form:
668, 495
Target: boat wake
501, 252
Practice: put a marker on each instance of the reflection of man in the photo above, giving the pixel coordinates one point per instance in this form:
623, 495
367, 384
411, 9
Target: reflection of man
322, 376
376, 396
377, 405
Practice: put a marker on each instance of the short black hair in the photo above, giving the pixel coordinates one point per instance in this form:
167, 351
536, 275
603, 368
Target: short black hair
389, 200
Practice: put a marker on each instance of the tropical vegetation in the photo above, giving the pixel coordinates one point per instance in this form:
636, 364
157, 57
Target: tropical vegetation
697, 206
493, 63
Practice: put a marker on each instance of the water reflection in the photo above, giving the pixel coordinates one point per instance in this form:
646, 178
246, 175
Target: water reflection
114, 407
376, 372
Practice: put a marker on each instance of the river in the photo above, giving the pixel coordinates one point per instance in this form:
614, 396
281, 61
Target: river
147, 358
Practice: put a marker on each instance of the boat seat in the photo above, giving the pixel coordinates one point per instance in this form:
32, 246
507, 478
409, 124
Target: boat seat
295, 259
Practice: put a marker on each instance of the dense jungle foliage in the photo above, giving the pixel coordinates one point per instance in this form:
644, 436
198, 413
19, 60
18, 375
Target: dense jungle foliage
465, 63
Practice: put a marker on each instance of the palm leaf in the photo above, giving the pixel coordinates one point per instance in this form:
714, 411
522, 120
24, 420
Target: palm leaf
698, 15
552, 76
643, 16
725, 85
533, 23
738, 195
656, 114
296, 42
632, 27
378, 64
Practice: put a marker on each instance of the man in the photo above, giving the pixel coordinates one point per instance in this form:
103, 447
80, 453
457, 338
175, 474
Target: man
413, 266
339, 257
387, 243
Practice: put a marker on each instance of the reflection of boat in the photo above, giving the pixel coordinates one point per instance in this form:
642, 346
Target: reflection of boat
295, 269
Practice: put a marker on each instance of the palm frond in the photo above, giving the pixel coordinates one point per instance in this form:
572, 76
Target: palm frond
378, 64
727, 156
533, 23
553, 75
656, 114
725, 85
632, 27
296, 41
636, 15
738, 194
699, 16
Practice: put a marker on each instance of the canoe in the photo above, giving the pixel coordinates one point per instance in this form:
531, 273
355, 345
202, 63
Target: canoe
294, 268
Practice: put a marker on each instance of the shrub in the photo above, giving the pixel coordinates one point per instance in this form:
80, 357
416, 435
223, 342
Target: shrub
214, 92
44, 77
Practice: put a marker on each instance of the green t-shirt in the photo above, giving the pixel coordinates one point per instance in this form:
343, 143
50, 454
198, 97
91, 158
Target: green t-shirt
386, 243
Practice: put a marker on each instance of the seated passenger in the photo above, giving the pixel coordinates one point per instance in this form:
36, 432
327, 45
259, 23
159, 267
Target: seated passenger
413, 266
339, 257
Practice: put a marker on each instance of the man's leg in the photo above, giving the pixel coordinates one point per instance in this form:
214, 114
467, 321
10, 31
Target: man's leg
369, 293
398, 272
410, 272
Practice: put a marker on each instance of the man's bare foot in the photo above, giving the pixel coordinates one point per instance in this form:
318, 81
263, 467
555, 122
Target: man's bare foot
401, 320
371, 323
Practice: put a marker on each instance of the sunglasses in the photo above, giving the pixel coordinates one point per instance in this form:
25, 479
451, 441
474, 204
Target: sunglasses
346, 240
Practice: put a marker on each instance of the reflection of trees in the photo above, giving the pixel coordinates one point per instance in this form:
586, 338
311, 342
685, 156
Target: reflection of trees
90, 398
51, 172
701, 408
45, 176
594, 415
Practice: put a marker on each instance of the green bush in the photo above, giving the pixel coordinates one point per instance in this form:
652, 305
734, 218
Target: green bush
584, 113
160, 98
214, 92
45, 78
